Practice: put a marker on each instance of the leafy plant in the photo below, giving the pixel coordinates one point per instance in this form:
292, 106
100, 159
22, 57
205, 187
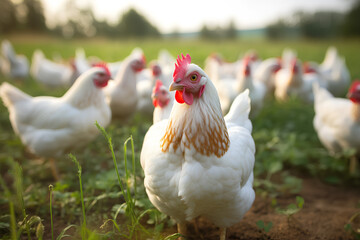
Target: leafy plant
292, 208
264, 227
350, 228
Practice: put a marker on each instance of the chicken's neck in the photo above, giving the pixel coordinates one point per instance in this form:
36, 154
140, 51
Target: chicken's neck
355, 112
200, 126
83, 94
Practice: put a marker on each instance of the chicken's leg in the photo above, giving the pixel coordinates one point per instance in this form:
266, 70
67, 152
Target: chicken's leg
54, 169
222, 233
181, 227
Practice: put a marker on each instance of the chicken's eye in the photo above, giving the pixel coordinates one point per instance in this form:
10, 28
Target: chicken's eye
193, 77
101, 74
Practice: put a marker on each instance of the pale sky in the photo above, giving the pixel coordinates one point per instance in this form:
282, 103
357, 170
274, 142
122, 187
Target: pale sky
191, 15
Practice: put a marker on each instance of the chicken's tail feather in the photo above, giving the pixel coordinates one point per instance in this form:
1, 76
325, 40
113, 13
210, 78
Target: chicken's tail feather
240, 109
10, 94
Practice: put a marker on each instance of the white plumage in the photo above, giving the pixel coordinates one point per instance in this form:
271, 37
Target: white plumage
163, 102
292, 82
265, 73
196, 163
12, 64
334, 71
337, 120
121, 93
228, 89
51, 74
51, 126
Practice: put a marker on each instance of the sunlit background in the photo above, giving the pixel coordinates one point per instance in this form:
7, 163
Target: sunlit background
212, 19
47, 44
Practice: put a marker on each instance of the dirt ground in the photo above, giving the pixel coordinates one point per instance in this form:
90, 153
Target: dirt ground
327, 209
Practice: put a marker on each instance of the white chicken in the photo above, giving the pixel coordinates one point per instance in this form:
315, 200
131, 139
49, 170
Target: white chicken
144, 86
162, 101
51, 126
292, 82
229, 89
337, 120
121, 93
197, 163
218, 69
13, 65
51, 74
333, 70
266, 71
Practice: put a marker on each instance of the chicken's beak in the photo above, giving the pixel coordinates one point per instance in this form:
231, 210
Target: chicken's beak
176, 86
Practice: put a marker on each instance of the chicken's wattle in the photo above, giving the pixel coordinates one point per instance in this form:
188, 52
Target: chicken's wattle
184, 97
100, 83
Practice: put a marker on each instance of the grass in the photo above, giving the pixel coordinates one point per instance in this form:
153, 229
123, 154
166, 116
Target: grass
115, 202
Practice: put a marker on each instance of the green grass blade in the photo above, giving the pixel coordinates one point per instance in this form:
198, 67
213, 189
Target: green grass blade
17, 170
51, 187
83, 227
108, 138
62, 234
11, 207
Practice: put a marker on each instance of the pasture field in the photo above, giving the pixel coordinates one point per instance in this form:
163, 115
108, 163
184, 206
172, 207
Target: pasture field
302, 192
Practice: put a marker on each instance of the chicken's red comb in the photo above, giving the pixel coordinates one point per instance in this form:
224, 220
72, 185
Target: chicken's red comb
181, 66
103, 65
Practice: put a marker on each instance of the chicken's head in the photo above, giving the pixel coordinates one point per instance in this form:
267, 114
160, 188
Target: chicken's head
102, 75
138, 63
189, 80
354, 92
160, 95
156, 69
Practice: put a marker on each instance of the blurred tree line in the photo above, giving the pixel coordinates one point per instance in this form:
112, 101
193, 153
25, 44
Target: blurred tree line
321, 24
218, 33
28, 15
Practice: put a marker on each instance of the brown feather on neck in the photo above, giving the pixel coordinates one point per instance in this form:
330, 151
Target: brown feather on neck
207, 134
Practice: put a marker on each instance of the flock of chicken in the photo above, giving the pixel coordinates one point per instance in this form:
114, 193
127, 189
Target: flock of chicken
199, 153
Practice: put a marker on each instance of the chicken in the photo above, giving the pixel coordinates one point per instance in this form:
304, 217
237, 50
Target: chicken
50, 126
197, 163
333, 70
229, 88
13, 65
218, 69
266, 71
144, 87
51, 74
337, 120
121, 93
292, 82
162, 101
